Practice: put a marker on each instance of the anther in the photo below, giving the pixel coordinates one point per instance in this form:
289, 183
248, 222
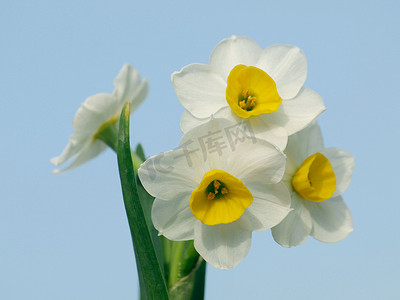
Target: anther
245, 93
211, 196
217, 184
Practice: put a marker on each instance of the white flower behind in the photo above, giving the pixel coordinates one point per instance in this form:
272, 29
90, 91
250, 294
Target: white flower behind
216, 188
244, 81
316, 177
99, 111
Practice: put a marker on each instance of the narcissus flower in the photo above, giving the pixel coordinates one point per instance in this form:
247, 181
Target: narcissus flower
316, 177
217, 190
242, 81
98, 112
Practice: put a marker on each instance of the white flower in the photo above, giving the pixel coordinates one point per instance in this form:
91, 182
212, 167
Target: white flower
216, 190
99, 111
316, 177
244, 81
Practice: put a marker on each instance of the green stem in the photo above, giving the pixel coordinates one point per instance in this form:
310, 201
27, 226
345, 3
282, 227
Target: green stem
191, 285
190, 258
199, 282
175, 262
166, 245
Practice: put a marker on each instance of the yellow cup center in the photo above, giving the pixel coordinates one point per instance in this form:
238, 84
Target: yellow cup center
315, 179
220, 198
251, 92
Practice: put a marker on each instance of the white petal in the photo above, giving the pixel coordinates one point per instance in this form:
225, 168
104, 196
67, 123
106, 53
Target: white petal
128, 87
287, 65
173, 218
271, 204
73, 148
296, 113
257, 161
223, 113
140, 94
126, 81
222, 246
343, 165
233, 147
304, 143
200, 89
91, 150
273, 134
296, 227
170, 174
96, 110
256, 125
210, 142
188, 121
331, 220
234, 51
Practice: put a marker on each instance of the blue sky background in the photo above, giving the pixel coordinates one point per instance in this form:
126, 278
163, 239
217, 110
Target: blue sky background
66, 236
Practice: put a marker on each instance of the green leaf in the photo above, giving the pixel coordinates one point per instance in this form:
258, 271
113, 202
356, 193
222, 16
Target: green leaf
199, 282
139, 151
187, 272
183, 260
190, 287
146, 200
147, 203
189, 259
151, 280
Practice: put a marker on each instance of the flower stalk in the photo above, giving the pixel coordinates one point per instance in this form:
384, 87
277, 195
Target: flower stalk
109, 135
175, 265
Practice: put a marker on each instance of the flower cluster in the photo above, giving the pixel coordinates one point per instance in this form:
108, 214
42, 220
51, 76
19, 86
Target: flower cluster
251, 157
